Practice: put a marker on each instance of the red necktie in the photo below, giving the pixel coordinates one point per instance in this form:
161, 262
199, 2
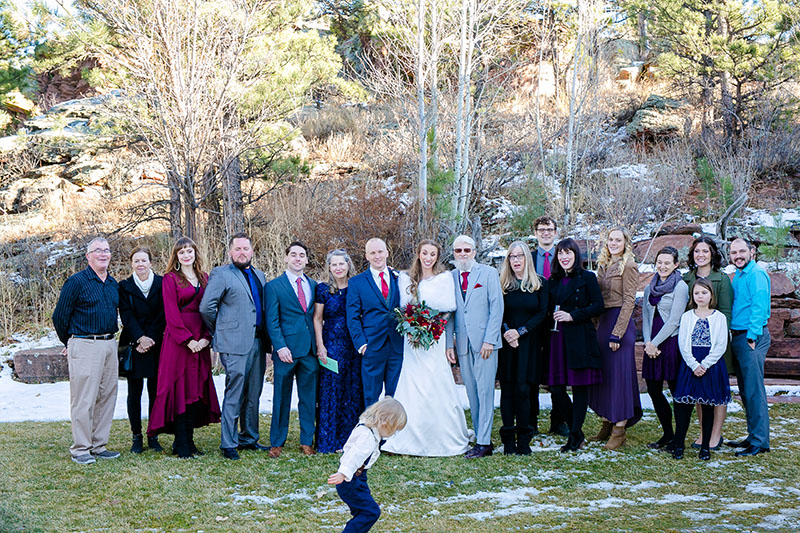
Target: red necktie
384, 287
301, 295
464, 283
546, 266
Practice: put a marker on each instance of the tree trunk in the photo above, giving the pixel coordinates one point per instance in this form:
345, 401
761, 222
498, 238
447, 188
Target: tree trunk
423, 137
175, 222
232, 198
460, 116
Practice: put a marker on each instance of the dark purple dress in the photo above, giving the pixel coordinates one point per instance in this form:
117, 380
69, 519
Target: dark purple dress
558, 372
341, 397
617, 397
665, 366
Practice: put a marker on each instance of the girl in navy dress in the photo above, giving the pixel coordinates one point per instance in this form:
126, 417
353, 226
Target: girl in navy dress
341, 399
703, 379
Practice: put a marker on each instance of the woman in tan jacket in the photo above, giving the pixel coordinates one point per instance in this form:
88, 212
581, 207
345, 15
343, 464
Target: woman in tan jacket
616, 399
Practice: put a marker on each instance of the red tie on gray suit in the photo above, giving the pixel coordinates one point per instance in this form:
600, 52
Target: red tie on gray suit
301, 295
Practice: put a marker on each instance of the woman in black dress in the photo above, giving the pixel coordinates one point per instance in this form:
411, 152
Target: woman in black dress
525, 307
141, 307
575, 299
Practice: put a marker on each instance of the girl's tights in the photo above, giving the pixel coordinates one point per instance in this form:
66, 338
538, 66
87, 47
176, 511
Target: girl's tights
683, 416
655, 389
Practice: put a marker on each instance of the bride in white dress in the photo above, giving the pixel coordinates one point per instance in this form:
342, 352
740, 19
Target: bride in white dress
436, 424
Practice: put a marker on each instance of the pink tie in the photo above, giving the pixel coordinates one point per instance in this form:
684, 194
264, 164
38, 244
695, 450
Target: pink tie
546, 266
384, 287
301, 295
464, 282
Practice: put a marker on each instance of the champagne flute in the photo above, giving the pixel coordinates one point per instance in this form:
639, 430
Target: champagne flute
555, 322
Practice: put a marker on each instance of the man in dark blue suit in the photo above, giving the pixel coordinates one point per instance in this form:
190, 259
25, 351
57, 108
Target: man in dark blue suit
371, 299
290, 310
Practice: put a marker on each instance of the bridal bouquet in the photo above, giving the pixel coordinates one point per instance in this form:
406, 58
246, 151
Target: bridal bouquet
422, 325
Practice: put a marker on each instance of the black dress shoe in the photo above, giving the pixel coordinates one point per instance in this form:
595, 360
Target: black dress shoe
660, 443
254, 446
480, 450
152, 443
751, 450
677, 453
744, 443
137, 446
705, 454
230, 453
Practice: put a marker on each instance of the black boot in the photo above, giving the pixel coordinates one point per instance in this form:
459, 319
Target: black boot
136, 447
152, 443
524, 436
181, 445
192, 411
508, 436
575, 442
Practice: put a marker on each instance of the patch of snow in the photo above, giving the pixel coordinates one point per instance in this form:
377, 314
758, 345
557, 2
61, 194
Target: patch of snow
667, 499
745, 506
765, 487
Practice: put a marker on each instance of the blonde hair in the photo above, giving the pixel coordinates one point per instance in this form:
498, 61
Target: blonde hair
415, 272
387, 412
530, 281
606, 259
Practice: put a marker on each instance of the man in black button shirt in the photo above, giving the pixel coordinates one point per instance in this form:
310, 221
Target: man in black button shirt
233, 311
85, 319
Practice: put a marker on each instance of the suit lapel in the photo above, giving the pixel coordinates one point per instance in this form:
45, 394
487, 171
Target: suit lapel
371, 281
242, 277
472, 280
289, 290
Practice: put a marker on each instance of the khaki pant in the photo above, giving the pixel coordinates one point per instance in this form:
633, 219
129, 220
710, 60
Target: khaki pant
93, 375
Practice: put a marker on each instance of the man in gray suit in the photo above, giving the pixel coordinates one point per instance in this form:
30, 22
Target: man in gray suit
232, 309
478, 317
290, 311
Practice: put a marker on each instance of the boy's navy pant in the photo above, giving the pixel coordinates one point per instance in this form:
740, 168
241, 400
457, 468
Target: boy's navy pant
355, 493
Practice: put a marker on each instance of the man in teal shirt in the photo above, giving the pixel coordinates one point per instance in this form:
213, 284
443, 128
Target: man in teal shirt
751, 340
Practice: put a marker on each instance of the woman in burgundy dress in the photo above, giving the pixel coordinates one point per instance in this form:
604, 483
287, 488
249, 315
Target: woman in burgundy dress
186, 398
575, 299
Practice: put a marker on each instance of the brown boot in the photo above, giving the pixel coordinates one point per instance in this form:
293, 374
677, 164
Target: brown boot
617, 438
605, 431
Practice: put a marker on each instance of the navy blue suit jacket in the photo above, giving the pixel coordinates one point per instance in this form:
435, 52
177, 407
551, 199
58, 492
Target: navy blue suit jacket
370, 317
288, 325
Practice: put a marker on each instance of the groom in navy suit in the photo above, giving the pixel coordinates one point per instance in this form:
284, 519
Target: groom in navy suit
371, 299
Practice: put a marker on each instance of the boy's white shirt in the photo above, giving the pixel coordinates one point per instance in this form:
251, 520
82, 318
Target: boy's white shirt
363, 443
718, 328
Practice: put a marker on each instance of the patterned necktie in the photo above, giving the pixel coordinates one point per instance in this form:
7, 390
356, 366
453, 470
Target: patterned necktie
384, 287
301, 295
464, 282
546, 266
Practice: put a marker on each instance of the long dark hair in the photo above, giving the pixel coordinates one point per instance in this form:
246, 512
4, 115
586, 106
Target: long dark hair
707, 285
173, 265
415, 271
557, 270
716, 257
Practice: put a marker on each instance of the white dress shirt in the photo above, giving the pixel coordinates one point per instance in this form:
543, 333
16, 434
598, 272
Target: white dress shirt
376, 277
306, 286
362, 445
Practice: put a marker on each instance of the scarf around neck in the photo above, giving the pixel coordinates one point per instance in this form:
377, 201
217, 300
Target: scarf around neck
145, 285
659, 288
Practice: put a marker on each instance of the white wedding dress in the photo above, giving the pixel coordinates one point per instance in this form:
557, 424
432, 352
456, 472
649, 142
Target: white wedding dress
436, 424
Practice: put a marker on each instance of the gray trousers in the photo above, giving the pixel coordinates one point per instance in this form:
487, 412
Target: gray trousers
244, 381
478, 376
750, 375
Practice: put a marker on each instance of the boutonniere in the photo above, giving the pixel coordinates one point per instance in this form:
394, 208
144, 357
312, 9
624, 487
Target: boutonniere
477, 286
394, 272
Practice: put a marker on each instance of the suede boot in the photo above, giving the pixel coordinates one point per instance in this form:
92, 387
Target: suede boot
617, 439
137, 446
605, 431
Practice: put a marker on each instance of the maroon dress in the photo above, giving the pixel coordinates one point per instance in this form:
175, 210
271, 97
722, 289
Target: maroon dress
184, 377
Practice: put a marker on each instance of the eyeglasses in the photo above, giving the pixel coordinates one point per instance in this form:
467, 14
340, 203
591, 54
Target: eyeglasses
101, 251
546, 230
462, 250
516, 257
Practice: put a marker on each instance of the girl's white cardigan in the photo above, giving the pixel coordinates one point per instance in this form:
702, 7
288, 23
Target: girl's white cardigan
718, 327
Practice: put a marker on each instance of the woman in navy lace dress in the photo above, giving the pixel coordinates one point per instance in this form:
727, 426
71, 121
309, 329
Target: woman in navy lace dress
341, 399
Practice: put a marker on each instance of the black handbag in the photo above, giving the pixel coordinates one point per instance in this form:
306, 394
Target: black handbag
125, 354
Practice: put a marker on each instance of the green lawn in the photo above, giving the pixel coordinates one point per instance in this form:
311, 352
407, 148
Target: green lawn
631, 489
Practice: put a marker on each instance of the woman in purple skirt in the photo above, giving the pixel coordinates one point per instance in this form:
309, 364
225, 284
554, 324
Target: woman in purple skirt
665, 299
703, 379
575, 299
616, 398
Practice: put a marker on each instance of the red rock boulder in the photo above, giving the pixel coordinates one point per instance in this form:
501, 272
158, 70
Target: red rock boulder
676, 241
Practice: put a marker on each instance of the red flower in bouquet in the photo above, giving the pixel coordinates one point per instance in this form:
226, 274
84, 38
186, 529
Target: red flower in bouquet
422, 325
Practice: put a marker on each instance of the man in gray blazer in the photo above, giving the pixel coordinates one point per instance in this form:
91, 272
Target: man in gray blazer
232, 309
478, 317
290, 311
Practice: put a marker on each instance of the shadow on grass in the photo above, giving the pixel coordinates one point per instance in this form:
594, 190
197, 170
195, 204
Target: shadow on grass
12, 522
